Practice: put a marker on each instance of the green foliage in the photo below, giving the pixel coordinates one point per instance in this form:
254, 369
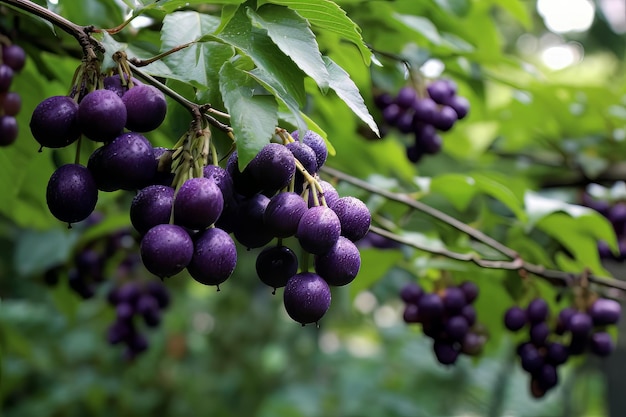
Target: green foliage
514, 170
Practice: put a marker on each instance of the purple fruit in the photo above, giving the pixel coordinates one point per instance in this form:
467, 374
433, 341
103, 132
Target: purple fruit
454, 300
214, 257
392, 113
316, 142
114, 83
547, 377
11, 103
445, 352
406, 97
580, 325
159, 291
101, 115
272, 168
151, 206
166, 250
283, 213
539, 333
222, 179
318, 230
425, 110
354, 216
71, 194
339, 265
531, 359
126, 163
54, 123
14, 56
414, 153
249, 228
431, 307
306, 297
470, 290
275, 265
145, 107
457, 327
557, 354
445, 118
8, 130
383, 100
604, 311
330, 194
461, 106
411, 293
473, 344
469, 312
198, 203
601, 344
305, 154
515, 318
6, 78
411, 314
441, 91
537, 310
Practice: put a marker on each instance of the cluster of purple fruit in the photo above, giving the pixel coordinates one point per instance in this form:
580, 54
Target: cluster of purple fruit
615, 212
423, 116
275, 196
126, 161
448, 317
573, 332
12, 61
136, 302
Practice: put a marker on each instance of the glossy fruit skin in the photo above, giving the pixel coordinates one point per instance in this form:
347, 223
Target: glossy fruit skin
306, 297
340, 265
515, 318
214, 257
71, 193
272, 168
102, 115
126, 163
604, 311
318, 230
354, 216
166, 250
54, 122
14, 56
146, 108
283, 213
114, 83
198, 203
275, 265
151, 206
8, 130
315, 142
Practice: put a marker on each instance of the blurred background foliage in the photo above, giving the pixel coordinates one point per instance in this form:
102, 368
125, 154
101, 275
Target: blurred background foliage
547, 120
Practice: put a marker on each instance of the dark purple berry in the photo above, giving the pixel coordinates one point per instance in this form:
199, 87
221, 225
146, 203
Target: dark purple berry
431, 306
445, 352
151, 206
411, 293
101, 115
604, 311
166, 250
557, 354
392, 113
145, 107
71, 194
515, 318
275, 265
539, 333
222, 179
425, 110
305, 154
6, 78
470, 290
340, 264
580, 325
537, 310
14, 56
330, 194
315, 142
441, 91
8, 130
411, 314
11, 103
354, 216
406, 97
469, 312
283, 213
114, 83
454, 300
318, 230
457, 327
461, 106
214, 257
306, 297
249, 229
198, 203
54, 122
445, 118
601, 344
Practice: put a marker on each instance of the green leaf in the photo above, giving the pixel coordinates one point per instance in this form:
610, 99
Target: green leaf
517, 9
457, 7
374, 265
253, 117
189, 64
169, 6
457, 188
329, 17
37, 251
421, 25
292, 34
347, 90
499, 191
256, 44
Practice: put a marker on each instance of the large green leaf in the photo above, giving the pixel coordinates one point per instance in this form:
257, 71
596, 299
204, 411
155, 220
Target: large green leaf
292, 34
172, 5
189, 64
253, 117
256, 44
347, 90
329, 17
